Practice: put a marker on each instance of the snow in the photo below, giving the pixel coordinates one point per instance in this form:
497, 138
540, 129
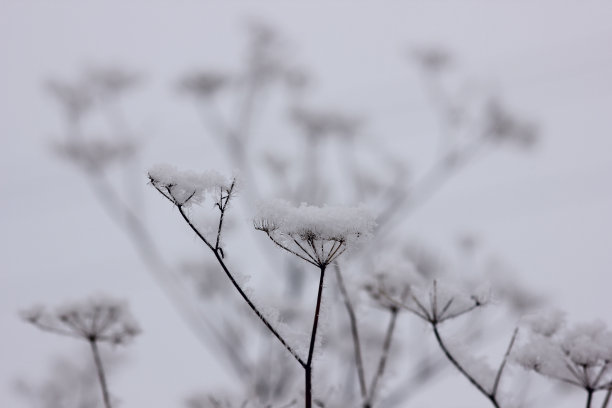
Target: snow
328, 223
579, 355
187, 187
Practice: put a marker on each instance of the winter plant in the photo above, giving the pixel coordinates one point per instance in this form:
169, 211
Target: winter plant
370, 276
96, 320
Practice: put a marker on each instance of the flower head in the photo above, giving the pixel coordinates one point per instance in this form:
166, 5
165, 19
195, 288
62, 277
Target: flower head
580, 355
184, 188
316, 234
440, 302
99, 318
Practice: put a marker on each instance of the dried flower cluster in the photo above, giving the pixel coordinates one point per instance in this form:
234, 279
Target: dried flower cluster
318, 235
185, 188
578, 355
100, 318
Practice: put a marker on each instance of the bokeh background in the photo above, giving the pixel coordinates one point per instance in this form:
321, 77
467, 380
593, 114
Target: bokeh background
545, 210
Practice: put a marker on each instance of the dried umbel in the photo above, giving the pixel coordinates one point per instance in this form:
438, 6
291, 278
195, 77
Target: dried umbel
580, 355
95, 320
391, 283
318, 235
99, 318
184, 188
441, 302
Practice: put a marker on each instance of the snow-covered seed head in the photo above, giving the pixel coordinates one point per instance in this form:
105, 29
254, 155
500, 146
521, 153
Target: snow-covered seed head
99, 318
184, 188
316, 234
390, 284
579, 355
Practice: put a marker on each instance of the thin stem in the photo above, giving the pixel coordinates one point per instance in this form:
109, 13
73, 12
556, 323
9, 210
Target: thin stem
589, 397
222, 208
606, 400
240, 291
313, 337
503, 363
100, 370
462, 370
383, 356
167, 279
354, 331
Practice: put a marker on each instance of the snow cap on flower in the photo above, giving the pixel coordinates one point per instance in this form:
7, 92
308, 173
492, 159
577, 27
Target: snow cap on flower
316, 234
186, 187
391, 282
545, 323
310, 222
579, 355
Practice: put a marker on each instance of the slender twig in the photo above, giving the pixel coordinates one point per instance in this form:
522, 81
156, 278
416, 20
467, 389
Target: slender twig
240, 291
100, 370
313, 338
222, 209
503, 363
603, 370
313, 261
383, 356
354, 331
462, 370
606, 400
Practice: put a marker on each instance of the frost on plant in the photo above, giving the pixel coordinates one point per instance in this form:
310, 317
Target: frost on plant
578, 355
185, 188
318, 235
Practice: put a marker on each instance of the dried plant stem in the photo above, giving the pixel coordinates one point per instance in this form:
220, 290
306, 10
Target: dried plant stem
500, 371
100, 370
354, 332
313, 338
589, 397
169, 283
462, 370
606, 400
382, 362
254, 308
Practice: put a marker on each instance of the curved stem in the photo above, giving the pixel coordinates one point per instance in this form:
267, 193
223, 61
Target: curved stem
240, 291
462, 370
